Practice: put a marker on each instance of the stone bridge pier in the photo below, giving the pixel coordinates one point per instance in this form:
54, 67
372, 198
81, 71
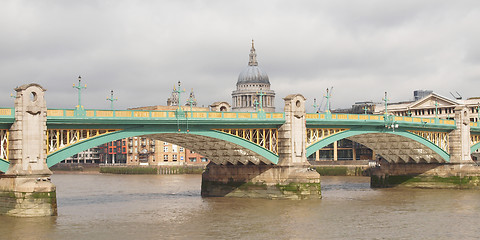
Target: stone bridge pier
289, 179
459, 172
26, 189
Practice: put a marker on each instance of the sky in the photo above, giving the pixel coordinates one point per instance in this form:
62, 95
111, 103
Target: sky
141, 49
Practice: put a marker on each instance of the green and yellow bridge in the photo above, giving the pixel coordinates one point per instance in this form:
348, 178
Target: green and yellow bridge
241, 137
252, 154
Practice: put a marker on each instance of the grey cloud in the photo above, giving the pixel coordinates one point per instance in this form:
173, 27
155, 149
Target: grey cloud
140, 49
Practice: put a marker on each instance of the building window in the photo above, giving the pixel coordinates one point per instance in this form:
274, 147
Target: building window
181, 149
174, 148
174, 157
165, 143
204, 159
165, 149
165, 157
193, 159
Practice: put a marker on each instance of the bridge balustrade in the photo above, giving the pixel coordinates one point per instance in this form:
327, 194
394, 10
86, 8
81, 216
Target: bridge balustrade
314, 117
152, 114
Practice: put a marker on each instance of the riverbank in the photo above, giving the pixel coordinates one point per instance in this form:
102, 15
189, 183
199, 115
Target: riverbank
155, 170
123, 169
75, 169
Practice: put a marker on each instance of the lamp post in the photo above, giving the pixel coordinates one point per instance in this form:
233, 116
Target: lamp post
328, 96
255, 103
80, 111
436, 111
315, 105
261, 94
179, 92
111, 99
365, 109
385, 99
190, 102
261, 112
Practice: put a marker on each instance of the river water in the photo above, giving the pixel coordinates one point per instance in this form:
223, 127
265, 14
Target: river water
101, 206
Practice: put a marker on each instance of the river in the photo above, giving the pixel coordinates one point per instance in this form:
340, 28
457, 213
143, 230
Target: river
102, 206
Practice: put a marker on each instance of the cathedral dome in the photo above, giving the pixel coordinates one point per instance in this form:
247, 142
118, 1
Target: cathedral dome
253, 73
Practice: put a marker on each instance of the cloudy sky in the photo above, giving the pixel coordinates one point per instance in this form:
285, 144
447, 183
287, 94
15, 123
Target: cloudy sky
140, 49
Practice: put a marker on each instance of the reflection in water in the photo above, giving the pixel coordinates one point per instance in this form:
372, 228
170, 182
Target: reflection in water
170, 207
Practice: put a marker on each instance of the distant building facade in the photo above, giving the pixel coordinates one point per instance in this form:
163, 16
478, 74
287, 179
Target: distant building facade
91, 155
114, 152
430, 106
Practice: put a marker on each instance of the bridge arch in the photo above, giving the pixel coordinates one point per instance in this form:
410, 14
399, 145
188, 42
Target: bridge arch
475, 147
242, 150
413, 148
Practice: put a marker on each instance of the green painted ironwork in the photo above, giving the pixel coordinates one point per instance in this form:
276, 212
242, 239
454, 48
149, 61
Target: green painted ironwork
475, 147
179, 91
353, 132
142, 122
328, 96
66, 152
315, 106
190, 102
4, 165
261, 112
385, 99
351, 120
79, 110
111, 99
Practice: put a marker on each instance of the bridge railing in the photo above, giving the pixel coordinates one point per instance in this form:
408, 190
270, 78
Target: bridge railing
152, 114
370, 117
474, 127
7, 112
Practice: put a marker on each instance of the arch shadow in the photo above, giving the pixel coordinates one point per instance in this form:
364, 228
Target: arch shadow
353, 132
68, 151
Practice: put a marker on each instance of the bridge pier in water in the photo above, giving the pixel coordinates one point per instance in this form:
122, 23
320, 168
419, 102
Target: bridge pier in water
289, 179
25, 188
461, 172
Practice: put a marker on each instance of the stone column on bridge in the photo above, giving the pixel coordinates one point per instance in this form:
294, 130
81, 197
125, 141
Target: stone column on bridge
26, 189
459, 139
289, 179
292, 134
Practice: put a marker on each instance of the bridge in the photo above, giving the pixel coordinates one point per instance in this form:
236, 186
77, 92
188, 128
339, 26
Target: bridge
265, 149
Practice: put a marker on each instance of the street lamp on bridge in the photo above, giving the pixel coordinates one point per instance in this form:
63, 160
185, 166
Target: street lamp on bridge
111, 99
80, 110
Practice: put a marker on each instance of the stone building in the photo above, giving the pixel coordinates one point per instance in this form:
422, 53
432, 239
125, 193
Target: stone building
253, 88
220, 107
431, 106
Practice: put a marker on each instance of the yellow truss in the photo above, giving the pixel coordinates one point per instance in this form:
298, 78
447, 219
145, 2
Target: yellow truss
316, 134
264, 137
4, 144
438, 138
61, 138
474, 139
